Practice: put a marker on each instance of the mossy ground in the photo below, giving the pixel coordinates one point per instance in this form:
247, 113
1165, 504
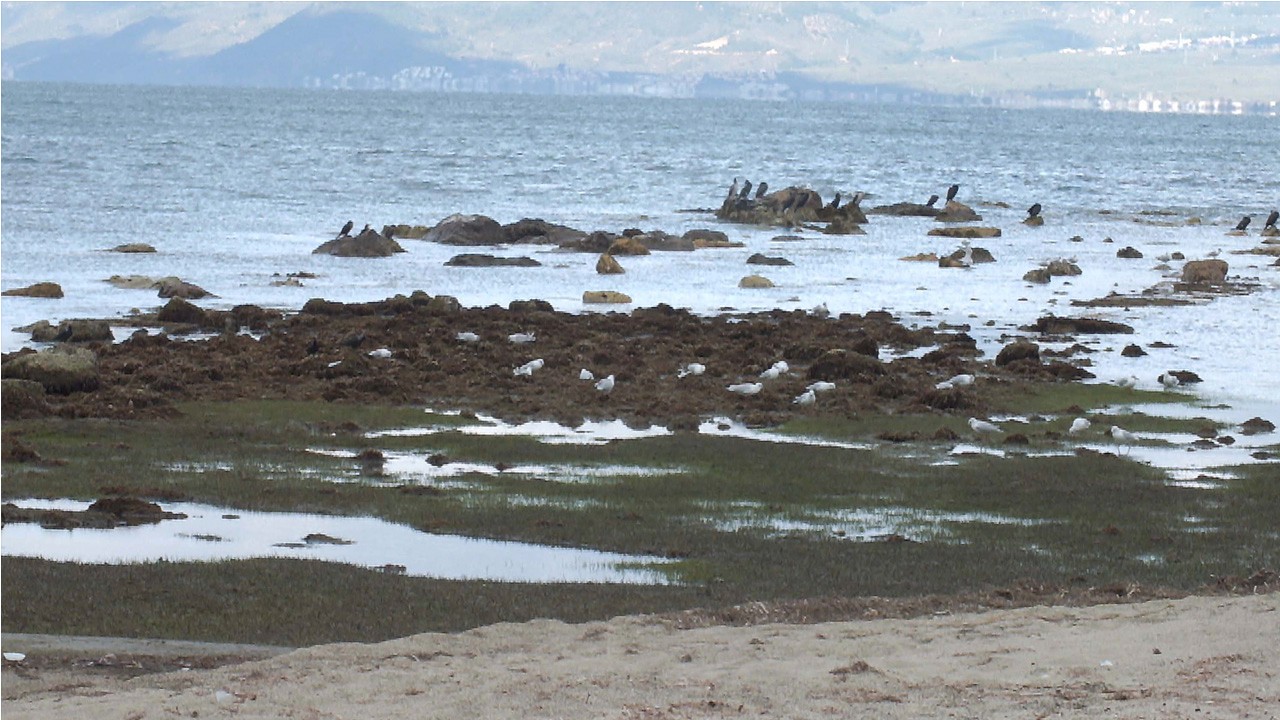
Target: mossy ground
745, 519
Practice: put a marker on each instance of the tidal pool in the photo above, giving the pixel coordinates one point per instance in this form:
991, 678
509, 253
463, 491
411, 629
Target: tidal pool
212, 533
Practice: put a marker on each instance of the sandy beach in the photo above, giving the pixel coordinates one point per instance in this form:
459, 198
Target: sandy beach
1203, 657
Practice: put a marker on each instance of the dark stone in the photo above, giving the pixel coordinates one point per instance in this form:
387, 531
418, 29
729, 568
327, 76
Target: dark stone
478, 260
1133, 351
368, 244
1053, 325
178, 310
1129, 253
1018, 350
39, 290
467, 230
172, 287
541, 232
759, 259
844, 365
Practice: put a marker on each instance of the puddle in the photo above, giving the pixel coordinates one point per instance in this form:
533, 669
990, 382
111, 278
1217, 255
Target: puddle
870, 524
724, 427
212, 533
590, 432
404, 467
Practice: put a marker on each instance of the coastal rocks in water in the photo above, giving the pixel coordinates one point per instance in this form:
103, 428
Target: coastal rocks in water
459, 229
905, 209
755, 282
1185, 377
957, 212
540, 232
628, 245
1133, 351
970, 233
843, 225
607, 265
1055, 268
760, 259
481, 260
133, 248
789, 206
1034, 221
61, 370
368, 244
170, 287
70, 331
1204, 271
703, 238
921, 257
605, 297
1018, 351
407, 232
103, 514
39, 290
975, 255
1252, 426
1054, 325
1129, 253
24, 399
598, 241
180, 311
1038, 275
132, 282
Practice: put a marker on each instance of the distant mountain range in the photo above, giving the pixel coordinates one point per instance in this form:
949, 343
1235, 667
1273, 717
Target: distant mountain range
1010, 53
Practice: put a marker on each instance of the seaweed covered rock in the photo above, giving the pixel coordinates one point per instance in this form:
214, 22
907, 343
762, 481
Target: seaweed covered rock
60, 370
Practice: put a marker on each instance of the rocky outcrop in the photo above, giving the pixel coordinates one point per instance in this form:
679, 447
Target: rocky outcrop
1018, 351
1054, 325
606, 265
539, 232
481, 260
60, 370
629, 245
407, 232
133, 248
841, 364
905, 209
958, 258
182, 312
755, 282
957, 212
759, 259
605, 297
461, 229
170, 287
132, 282
22, 399
368, 244
790, 206
70, 331
969, 233
1129, 253
39, 290
1204, 271
1034, 221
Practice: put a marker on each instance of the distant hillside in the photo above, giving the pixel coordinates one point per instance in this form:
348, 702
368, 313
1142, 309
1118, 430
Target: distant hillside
1036, 50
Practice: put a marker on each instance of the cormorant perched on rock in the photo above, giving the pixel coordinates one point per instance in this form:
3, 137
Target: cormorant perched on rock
734, 188
835, 202
760, 191
1272, 218
1244, 223
346, 229
952, 192
932, 200
365, 229
857, 199
746, 191
1033, 211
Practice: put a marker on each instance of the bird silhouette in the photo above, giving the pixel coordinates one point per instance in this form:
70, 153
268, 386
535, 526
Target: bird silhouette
346, 229
952, 192
1244, 222
1033, 211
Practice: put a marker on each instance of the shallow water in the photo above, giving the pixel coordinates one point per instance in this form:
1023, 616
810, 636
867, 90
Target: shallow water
212, 533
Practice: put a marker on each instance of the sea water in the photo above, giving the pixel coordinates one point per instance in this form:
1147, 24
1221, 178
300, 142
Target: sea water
236, 187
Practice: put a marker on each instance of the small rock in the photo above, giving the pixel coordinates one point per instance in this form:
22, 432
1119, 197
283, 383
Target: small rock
481, 260
760, 259
1256, 426
601, 297
607, 265
1129, 253
755, 281
966, 232
133, 248
1133, 351
1018, 350
178, 310
170, 287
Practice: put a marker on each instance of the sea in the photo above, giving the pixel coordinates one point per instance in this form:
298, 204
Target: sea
236, 187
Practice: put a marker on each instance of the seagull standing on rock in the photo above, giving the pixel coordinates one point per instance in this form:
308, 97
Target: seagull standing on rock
606, 385
1169, 380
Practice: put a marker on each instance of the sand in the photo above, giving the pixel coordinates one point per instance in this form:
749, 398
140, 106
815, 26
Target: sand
1201, 657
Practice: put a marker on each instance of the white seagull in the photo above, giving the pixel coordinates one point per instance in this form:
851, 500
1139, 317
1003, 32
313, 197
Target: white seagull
822, 386
1169, 380
771, 374
1128, 383
1078, 426
528, 368
1122, 436
586, 374
521, 338
382, 353
782, 366
467, 337
982, 427
805, 398
606, 385
692, 369
746, 388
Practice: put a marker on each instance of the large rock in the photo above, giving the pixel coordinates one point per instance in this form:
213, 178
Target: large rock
1054, 325
540, 232
171, 287
467, 230
629, 245
605, 297
841, 364
180, 311
957, 212
905, 209
789, 206
755, 282
368, 244
1019, 350
606, 265
39, 290
480, 260
22, 399
60, 370
966, 232
760, 259
1204, 271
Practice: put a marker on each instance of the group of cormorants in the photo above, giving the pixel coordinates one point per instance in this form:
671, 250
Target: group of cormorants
1271, 221
346, 229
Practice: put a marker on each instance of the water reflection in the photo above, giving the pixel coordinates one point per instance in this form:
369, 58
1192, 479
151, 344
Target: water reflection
213, 533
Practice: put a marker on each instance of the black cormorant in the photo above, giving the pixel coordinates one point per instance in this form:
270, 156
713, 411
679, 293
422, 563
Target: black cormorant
1271, 219
760, 191
1033, 211
734, 188
1244, 222
365, 229
835, 202
952, 191
932, 200
746, 190
346, 229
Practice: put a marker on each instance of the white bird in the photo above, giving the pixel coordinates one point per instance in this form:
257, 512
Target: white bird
961, 380
982, 427
1168, 380
805, 398
771, 373
521, 338
605, 385
586, 374
822, 386
1128, 383
944, 385
746, 388
467, 337
1122, 436
1078, 426
528, 368
382, 353
820, 310
782, 366
692, 369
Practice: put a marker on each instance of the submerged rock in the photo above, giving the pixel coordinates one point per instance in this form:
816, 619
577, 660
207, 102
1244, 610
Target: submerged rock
481, 260
605, 297
966, 232
50, 290
755, 282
